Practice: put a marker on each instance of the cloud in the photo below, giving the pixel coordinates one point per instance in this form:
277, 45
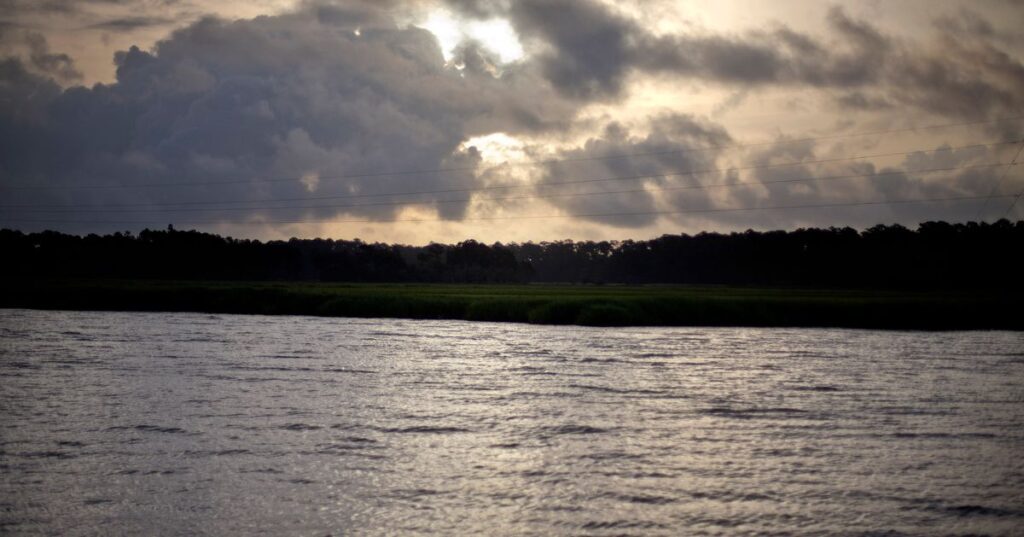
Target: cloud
35, 52
252, 110
673, 145
127, 24
589, 51
481, 9
589, 47
24, 97
801, 174
326, 100
691, 172
44, 6
58, 65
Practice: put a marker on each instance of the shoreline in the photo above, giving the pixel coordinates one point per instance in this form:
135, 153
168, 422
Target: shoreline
585, 305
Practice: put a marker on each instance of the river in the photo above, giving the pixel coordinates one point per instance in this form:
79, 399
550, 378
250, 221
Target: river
172, 424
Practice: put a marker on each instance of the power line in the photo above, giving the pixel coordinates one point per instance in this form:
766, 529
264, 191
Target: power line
1012, 205
532, 197
542, 184
999, 182
707, 147
535, 217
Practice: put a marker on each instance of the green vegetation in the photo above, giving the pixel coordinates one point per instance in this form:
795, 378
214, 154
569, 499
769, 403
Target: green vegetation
595, 305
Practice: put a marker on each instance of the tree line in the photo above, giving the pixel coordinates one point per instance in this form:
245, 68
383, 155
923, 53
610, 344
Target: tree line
935, 255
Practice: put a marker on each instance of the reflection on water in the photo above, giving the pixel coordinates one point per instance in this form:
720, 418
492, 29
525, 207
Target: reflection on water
163, 424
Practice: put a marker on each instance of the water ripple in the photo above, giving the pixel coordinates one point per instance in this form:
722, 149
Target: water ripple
171, 424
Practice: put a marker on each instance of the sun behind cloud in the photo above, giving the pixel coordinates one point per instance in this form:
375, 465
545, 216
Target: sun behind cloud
496, 34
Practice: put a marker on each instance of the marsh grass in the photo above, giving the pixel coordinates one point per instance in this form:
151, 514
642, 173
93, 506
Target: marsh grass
593, 305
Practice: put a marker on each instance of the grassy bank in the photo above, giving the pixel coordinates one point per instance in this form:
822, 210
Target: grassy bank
543, 304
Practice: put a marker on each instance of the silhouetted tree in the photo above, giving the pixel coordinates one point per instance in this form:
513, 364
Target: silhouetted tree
935, 255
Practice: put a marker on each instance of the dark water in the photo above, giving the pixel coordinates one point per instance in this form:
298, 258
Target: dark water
169, 424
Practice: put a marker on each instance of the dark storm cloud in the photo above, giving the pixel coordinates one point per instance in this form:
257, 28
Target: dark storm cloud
238, 107
11, 7
589, 51
313, 94
789, 175
481, 9
58, 65
675, 144
63, 7
24, 97
35, 51
58, 16
859, 100
793, 174
590, 48
127, 24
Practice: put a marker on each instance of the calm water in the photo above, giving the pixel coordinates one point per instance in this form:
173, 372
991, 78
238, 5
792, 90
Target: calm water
169, 424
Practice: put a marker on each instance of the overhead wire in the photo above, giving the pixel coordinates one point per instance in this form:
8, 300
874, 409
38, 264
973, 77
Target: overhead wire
186, 205
999, 182
534, 217
706, 147
529, 185
703, 186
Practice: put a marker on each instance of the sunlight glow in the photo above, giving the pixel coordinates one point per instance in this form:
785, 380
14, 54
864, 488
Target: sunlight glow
496, 35
497, 148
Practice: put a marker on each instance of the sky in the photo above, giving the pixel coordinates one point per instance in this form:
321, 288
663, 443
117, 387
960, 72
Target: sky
443, 120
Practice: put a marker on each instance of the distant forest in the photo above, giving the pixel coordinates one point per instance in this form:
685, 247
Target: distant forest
935, 255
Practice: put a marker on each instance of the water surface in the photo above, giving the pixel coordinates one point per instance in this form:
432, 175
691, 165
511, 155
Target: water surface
169, 424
